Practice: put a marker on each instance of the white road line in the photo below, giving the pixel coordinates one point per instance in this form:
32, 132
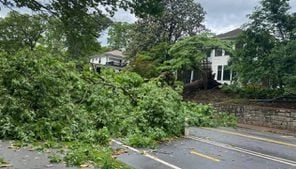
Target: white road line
147, 155
252, 137
250, 152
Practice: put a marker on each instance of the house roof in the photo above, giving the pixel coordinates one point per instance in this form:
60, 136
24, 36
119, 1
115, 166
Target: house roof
115, 53
230, 35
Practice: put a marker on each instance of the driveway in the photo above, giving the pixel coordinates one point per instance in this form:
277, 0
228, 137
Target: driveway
221, 148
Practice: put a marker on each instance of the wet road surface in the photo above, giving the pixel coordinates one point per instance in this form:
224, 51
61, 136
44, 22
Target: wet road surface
221, 148
25, 158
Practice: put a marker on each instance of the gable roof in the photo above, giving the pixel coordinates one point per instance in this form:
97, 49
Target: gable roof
115, 53
230, 35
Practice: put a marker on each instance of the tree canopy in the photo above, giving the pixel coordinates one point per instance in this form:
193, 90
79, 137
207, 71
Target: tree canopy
21, 31
82, 21
267, 57
189, 52
119, 35
178, 19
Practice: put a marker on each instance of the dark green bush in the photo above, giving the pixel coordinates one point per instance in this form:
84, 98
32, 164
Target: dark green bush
291, 85
253, 92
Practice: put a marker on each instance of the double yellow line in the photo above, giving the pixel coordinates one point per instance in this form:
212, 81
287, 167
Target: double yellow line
245, 151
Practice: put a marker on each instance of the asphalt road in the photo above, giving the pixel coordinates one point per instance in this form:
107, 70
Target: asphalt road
221, 148
25, 158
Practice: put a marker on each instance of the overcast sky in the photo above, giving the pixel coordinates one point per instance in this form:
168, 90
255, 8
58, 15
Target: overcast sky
225, 15
222, 15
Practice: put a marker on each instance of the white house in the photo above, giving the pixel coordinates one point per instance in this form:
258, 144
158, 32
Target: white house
114, 59
219, 59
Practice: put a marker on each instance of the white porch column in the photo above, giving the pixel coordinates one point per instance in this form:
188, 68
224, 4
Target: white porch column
192, 76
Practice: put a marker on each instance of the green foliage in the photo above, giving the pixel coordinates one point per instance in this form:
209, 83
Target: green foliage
267, 57
189, 52
274, 16
137, 140
148, 63
253, 91
140, 8
36, 99
145, 66
80, 154
207, 116
20, 31
81, 32
287, 65
102, 136
55, 159
178, 19
159, 109
119, 35
81, 22
291, 85
2, 161
253, 62
43, 98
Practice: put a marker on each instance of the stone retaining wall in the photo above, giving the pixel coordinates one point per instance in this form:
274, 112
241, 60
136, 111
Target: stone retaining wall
277, 118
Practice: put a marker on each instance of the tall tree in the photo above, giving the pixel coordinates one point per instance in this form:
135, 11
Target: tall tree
119, 35
19, 31
253, 61
179, 19
263, 59
274, 16
83, 20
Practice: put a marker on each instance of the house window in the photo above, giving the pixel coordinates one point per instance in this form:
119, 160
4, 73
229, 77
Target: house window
219, 73
218, 52
226, 73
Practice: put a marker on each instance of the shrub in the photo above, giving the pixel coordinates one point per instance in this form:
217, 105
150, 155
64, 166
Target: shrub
207, 116
253, 91
55, 159
291, 85
81, 154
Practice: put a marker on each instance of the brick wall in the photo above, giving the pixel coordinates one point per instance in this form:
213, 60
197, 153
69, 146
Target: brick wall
278, 118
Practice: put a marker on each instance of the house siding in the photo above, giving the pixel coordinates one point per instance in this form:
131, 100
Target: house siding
220, 61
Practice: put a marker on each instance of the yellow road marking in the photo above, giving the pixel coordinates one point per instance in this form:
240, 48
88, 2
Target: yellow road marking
204, 156
253, 137
241, 150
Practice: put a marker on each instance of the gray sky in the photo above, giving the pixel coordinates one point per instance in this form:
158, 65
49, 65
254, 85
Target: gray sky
225, 15
222, 15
